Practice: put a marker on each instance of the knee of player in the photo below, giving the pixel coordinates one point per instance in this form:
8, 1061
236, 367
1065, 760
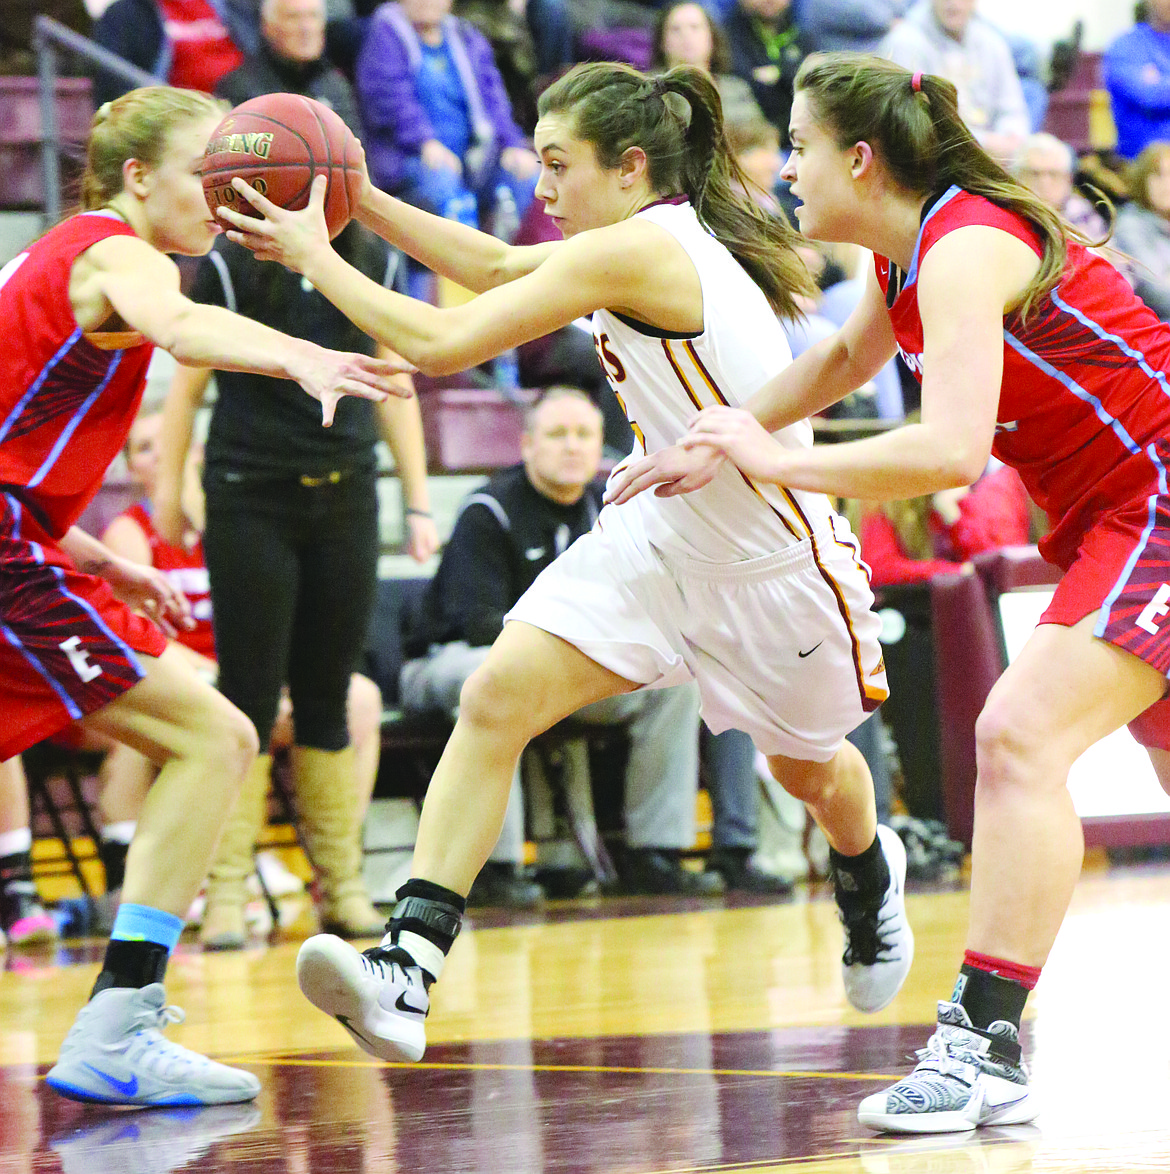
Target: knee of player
496, 696
234, 740
1009, 745
806, 781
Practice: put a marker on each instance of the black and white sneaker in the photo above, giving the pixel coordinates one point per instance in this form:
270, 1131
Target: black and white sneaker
879, 945
964, 1079
379, 996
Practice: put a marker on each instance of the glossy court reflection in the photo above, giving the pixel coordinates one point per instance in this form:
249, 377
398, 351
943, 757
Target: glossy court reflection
709, 1039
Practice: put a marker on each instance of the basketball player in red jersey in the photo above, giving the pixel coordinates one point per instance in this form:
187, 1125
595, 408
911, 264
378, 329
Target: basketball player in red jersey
1030, 347
81, 307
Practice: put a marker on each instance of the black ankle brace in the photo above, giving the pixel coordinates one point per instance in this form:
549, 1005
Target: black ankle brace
429, 910
1000, 1049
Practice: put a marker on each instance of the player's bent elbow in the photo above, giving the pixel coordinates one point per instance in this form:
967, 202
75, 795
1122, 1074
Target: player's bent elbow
962, 468
435, 359
177, 332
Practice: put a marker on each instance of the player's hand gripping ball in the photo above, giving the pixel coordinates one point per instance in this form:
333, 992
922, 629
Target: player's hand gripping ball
279, 143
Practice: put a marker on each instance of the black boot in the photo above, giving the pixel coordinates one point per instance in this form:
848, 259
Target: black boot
741, 875
660, 872
504, 885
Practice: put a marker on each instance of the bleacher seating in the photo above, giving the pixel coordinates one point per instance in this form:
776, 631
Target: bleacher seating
1079, 112
21, 134
471, 429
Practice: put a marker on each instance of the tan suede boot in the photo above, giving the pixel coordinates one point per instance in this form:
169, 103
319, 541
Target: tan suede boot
325, 787
223, 918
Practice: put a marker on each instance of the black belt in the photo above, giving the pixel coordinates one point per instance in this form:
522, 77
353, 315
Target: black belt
330, 478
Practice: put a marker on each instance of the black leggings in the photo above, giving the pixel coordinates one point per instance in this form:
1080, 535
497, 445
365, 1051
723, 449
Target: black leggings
293, 572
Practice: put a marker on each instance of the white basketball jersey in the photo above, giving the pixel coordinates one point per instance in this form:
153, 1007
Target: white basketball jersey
663, 379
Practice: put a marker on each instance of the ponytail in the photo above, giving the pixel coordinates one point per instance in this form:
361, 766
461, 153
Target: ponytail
136, 126
912, 122
676, 118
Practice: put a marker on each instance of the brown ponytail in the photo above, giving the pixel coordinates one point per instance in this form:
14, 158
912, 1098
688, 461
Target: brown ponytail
677, 120
925, 145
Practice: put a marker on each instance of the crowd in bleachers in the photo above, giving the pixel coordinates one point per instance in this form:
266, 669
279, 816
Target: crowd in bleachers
443, 94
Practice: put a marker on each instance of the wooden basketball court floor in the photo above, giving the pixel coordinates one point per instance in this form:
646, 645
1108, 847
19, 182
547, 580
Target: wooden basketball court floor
610, 1037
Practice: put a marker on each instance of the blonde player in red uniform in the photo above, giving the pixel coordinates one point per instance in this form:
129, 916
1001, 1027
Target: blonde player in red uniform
81, 307
754, 592
1032, 348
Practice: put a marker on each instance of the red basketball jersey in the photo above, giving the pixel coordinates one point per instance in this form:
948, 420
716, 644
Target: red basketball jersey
1085, 401
56, 380
187, 571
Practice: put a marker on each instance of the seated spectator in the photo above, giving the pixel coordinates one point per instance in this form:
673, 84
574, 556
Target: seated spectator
1047, 165
912, 541
854, 26
17, 56
686, 34
23, 920
1136, 69
1142, 231
439, 128
126, 775
184, 42
767, 47
946, 38
290, 58
505, 535
515, 52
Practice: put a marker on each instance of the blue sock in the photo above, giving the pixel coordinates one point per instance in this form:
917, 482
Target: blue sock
140, 945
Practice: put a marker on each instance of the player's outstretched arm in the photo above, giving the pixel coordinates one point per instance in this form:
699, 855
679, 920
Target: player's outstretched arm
622, 264
142, 286
965, 284
473, 259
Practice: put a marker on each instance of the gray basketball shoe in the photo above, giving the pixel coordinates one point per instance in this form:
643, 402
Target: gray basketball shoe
965, 1078
115, 1053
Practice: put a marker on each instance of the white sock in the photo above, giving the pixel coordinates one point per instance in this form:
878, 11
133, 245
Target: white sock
119, 832
17, 840
424, 952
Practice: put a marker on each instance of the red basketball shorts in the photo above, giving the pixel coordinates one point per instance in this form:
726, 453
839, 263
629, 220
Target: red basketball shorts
67, 645
1122, 572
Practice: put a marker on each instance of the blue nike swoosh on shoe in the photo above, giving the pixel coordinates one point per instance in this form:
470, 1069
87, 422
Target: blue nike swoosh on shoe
403, 1005
125, 1087
1005, 1104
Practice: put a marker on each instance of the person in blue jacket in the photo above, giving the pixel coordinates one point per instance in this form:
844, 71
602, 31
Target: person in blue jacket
1137, 75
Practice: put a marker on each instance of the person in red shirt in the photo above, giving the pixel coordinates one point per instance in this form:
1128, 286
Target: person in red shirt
912, 541
82, 307
1032, 348
182, 41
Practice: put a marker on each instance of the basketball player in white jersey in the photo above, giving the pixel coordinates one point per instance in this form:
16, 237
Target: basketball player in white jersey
754, 591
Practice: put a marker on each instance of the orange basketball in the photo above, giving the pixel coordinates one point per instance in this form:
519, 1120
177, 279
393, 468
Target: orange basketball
279, 143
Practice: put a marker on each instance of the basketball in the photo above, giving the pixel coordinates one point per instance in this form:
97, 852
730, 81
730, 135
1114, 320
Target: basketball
279, 143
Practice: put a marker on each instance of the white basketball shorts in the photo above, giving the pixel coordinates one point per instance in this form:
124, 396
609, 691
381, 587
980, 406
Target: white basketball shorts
784, 647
